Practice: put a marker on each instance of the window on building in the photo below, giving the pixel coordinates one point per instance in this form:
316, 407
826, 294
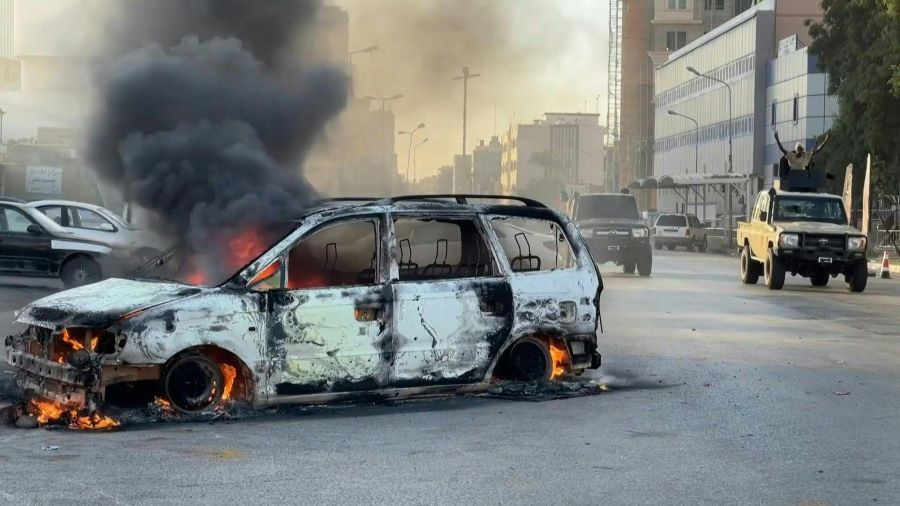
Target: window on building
773, 112
796, 108
675, 41
677, 4
720, 5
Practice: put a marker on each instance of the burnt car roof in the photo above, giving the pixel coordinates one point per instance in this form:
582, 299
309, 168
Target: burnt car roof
437, 203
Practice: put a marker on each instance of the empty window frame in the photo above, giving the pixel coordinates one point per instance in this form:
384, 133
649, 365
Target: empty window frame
343, 254
431, 249
533, 245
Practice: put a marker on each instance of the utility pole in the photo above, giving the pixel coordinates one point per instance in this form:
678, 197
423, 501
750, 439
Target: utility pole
410, 133
466, 75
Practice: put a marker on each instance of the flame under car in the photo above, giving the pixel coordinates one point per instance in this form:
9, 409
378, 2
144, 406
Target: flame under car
386, 299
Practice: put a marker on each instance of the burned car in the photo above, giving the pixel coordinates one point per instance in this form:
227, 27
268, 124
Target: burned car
386, 298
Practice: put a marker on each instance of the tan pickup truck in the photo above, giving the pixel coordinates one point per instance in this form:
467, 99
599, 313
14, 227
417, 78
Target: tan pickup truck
802, 233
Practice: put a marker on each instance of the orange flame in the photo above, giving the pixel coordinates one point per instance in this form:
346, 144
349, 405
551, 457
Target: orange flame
241, 248
560, 357
71, 341
94, 340
50, 412
229, 373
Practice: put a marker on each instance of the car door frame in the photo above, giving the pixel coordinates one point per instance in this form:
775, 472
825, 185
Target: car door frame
40, 247
360, 300
476, 331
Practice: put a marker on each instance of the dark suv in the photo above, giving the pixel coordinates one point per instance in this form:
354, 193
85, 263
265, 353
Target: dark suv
613, 230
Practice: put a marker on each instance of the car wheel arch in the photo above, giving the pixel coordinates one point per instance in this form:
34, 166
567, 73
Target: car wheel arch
246, 381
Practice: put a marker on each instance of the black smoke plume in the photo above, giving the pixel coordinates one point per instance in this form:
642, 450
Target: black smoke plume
207, 124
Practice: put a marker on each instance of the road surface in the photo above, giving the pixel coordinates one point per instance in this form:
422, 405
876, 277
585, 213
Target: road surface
720, 394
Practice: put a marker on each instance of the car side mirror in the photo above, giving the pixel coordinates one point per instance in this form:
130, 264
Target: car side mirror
35, 230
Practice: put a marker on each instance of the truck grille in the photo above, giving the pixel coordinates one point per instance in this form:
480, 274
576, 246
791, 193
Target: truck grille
614, 232
823, 241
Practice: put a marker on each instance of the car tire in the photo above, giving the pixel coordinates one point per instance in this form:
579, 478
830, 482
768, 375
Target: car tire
645, 262
193, 383
80, 271
774, 271
858, 277
530, 360
628, 266
657, 245
750, 268
819, 279
703, 246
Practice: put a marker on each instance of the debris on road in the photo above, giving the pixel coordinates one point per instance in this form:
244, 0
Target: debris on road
50, 448
840, 392
27, 422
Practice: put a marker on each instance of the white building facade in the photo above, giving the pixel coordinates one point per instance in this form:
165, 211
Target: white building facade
743, 53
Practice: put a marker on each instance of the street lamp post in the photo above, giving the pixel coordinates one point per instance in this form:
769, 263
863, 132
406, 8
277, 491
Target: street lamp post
694, 71
384, 100
465, 79
416, 148
696, 135
409, 151
597, 100
368, 50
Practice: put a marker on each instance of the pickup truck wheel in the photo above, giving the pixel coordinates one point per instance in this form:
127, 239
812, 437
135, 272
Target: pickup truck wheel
750, 268
819, 279
645, 262
628, 267
858, 277
703, 245
774, 271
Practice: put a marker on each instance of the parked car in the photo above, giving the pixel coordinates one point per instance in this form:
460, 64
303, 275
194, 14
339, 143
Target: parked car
391, 298
96, 223
33, 245
612, 227
674, 230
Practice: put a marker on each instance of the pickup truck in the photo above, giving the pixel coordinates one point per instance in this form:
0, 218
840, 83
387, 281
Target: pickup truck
806, 234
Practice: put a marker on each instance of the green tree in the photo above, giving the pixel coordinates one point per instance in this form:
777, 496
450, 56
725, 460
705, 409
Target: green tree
858, 45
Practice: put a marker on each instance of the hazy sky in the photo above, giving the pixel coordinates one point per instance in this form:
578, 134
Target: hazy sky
534, 56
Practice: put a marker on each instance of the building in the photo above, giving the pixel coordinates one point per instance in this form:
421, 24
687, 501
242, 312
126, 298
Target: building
566, 148
650, 31
769, 88
486, 161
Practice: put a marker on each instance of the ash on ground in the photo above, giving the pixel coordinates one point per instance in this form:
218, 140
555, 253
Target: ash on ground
537, 391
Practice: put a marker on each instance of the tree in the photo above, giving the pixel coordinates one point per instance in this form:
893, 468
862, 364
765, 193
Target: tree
858, 45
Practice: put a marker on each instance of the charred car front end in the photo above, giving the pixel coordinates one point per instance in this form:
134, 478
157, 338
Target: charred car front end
393, 298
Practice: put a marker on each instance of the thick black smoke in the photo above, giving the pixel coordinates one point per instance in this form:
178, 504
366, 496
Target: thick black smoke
206, 133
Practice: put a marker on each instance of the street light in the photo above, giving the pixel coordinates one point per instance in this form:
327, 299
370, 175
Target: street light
409, 151
2, 113
383, 100
465, 79
696, 134
368, 50
692, 70
416, 148
598, 101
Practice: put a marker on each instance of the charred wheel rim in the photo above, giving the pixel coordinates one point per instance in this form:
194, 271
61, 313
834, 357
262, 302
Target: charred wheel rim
530, 360
194, 383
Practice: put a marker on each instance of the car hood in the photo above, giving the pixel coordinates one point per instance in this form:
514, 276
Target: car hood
608, 222
100, 304
816, 227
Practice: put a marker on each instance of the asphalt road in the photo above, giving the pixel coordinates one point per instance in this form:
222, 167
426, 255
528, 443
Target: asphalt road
720, 394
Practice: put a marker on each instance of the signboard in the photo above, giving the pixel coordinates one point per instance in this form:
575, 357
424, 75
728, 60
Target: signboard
44, 180
787, 45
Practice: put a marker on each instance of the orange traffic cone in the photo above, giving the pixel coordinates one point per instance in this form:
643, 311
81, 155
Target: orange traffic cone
885, 267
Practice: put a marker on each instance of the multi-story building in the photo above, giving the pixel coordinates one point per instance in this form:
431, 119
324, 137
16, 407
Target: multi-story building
651, 30
773, 83
486, 161
567, 147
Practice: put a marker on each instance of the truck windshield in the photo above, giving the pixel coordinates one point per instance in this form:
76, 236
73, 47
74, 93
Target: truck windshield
607, 206
826, 210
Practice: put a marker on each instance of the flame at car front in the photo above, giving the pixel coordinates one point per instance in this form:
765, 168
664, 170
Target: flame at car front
47, 413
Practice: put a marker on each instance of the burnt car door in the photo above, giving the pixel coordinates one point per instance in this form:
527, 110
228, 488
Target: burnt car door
452, 308
552, 276
328, 324
25, 248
